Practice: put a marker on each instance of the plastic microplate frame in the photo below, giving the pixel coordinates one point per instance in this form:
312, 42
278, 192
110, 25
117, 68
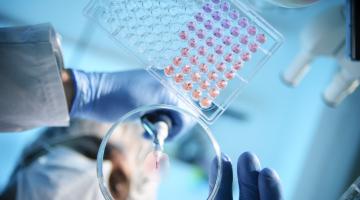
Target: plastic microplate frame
205, 51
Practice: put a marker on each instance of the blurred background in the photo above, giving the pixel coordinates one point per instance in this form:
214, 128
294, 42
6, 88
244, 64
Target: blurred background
314, 148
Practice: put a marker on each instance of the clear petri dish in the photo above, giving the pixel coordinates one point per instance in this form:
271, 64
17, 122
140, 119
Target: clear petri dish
123, 160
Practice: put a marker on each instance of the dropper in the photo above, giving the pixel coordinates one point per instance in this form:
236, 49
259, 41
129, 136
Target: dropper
159, 131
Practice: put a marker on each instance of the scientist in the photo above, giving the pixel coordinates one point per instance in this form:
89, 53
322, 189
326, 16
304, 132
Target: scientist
61, 164
37, 91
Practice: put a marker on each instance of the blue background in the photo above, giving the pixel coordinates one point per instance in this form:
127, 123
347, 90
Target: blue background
314, 148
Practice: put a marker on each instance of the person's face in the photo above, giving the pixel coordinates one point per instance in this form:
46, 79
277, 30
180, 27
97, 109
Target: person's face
119, 180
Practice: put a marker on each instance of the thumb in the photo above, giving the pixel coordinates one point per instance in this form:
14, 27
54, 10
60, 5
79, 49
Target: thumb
225, 185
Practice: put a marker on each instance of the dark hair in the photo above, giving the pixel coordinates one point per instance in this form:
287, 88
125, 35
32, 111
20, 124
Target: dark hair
119, 181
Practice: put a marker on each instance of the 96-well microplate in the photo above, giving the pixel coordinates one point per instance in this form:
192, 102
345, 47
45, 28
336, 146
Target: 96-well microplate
205, 51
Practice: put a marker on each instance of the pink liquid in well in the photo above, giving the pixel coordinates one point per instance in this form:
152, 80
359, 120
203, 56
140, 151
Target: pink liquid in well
243, 22
228, 57
200, 33
216, 15
196, 94
261, 38
204, 84
234, 14
177, 61
246, 56
199, 17
253, 47
203, 68
236, 48
183, 35
187, 86
178, 78
205, 102
210, 41
221, 67
211, 58
208, 24
214, 92
191, 26
230, 74
221, 84
225, 6
186, 69
169, 70
225, 23
234, 31
217, 32
244, 39
237, 65
193, 60
226, 40
202, 50
251, 30
212, 75
185, 52
207, 8
219, 49
192, 43
195, 77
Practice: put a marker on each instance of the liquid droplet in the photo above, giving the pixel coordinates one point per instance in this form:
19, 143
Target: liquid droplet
261, 38
169, 70
195, 77
196, 94
214, 92
156, 164
187, 86
221, 84
205, 102
251, 30
177, 61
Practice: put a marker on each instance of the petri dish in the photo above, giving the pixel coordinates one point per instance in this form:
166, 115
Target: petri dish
181, 42
188, 174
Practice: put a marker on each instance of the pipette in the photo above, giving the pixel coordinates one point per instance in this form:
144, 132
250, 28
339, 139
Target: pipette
159, 131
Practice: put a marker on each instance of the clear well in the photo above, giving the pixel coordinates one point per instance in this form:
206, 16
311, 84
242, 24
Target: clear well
204, 51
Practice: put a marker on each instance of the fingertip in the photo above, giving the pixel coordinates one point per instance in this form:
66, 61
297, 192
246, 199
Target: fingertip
248, 162
269, 185
225, 186
248, 172
226, 168
225, 158
227, 173
270, 174
248, 156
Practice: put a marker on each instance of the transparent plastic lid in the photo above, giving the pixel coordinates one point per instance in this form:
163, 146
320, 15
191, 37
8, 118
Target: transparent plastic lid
135, 173
205, 51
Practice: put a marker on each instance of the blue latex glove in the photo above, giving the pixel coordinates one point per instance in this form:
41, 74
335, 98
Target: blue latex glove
254, 183
108, 96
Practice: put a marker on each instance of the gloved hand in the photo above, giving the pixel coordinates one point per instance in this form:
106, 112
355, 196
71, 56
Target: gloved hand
254, 183
108, 96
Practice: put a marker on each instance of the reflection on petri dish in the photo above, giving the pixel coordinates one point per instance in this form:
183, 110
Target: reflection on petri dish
177, 169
